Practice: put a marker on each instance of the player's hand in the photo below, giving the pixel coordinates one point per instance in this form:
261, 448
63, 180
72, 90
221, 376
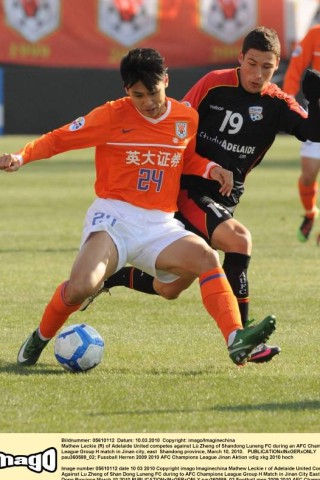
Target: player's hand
225, 178
9, 162
311, 85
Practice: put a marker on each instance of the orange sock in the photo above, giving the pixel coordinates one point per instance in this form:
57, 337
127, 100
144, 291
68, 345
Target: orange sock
308, 198
56, 313
219, 300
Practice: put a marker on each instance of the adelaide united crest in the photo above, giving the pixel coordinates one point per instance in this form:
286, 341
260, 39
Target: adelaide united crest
256, 113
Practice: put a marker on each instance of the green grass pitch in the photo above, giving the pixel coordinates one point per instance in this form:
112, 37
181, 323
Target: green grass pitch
166, 368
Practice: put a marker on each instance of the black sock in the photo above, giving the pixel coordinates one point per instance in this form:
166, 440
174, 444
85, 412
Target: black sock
236, 266
133, 278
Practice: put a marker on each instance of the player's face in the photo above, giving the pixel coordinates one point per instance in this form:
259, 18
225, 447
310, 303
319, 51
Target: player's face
256, 69
150, 104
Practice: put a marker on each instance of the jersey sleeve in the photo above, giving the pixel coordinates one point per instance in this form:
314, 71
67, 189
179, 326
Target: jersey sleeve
215, 78
301, 58
296, 121
195, 164
84, 132
199, 90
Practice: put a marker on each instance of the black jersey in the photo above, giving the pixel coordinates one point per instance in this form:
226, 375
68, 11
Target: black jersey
236, 128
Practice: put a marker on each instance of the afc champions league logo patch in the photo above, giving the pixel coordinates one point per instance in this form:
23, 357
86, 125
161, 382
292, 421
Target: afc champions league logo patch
255, 113
181, 129
77, 124
227, 20
129, 21
297, 51
32, 19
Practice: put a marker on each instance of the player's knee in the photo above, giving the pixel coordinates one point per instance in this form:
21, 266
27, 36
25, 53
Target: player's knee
79, 289
168, 291
171, 291
240, 242
245, 241
308, 178
170, 295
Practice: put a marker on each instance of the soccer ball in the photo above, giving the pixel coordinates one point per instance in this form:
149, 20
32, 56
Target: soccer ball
79, 347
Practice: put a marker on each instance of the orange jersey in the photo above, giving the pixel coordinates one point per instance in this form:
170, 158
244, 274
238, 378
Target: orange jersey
305, 54
138, 160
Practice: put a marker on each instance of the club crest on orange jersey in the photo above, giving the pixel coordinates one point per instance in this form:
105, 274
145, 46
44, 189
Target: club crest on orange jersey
181, 129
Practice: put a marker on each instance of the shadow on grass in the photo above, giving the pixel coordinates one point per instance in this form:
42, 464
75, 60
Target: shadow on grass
46, 369
273, 407
302, 405
39, 369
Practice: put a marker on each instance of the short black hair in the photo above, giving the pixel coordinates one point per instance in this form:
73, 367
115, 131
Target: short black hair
142, 64
263, 39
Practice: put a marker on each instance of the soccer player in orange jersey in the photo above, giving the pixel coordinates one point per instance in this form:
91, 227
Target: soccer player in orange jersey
143, 143
305, 54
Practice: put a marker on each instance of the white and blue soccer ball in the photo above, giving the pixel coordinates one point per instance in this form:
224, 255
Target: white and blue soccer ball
79, 348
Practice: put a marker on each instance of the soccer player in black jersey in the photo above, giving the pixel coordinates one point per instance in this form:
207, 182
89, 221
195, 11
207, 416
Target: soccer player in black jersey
240, 112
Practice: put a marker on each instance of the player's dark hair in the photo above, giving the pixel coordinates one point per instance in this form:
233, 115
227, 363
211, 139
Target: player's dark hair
144, 65
263, 39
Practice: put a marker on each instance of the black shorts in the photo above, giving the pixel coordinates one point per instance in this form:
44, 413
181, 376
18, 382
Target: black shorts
200, 214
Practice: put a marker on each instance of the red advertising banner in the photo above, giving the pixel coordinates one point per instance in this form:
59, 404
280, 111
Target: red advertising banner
97, 33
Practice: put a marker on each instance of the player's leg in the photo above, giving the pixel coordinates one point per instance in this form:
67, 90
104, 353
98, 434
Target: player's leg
308, 187
192, 255
216, 225
98, 257
226, 234
234, 239
210, 220
136, 279
132, 278
236, 263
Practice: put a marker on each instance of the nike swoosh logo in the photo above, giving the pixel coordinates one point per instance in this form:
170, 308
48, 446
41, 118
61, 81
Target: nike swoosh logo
238, 343
127, 130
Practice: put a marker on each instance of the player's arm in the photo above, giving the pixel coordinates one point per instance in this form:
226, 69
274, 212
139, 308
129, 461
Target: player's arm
199, 90
84, 132
224, 177
309, 128
214, 79
195, 164
301, 58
